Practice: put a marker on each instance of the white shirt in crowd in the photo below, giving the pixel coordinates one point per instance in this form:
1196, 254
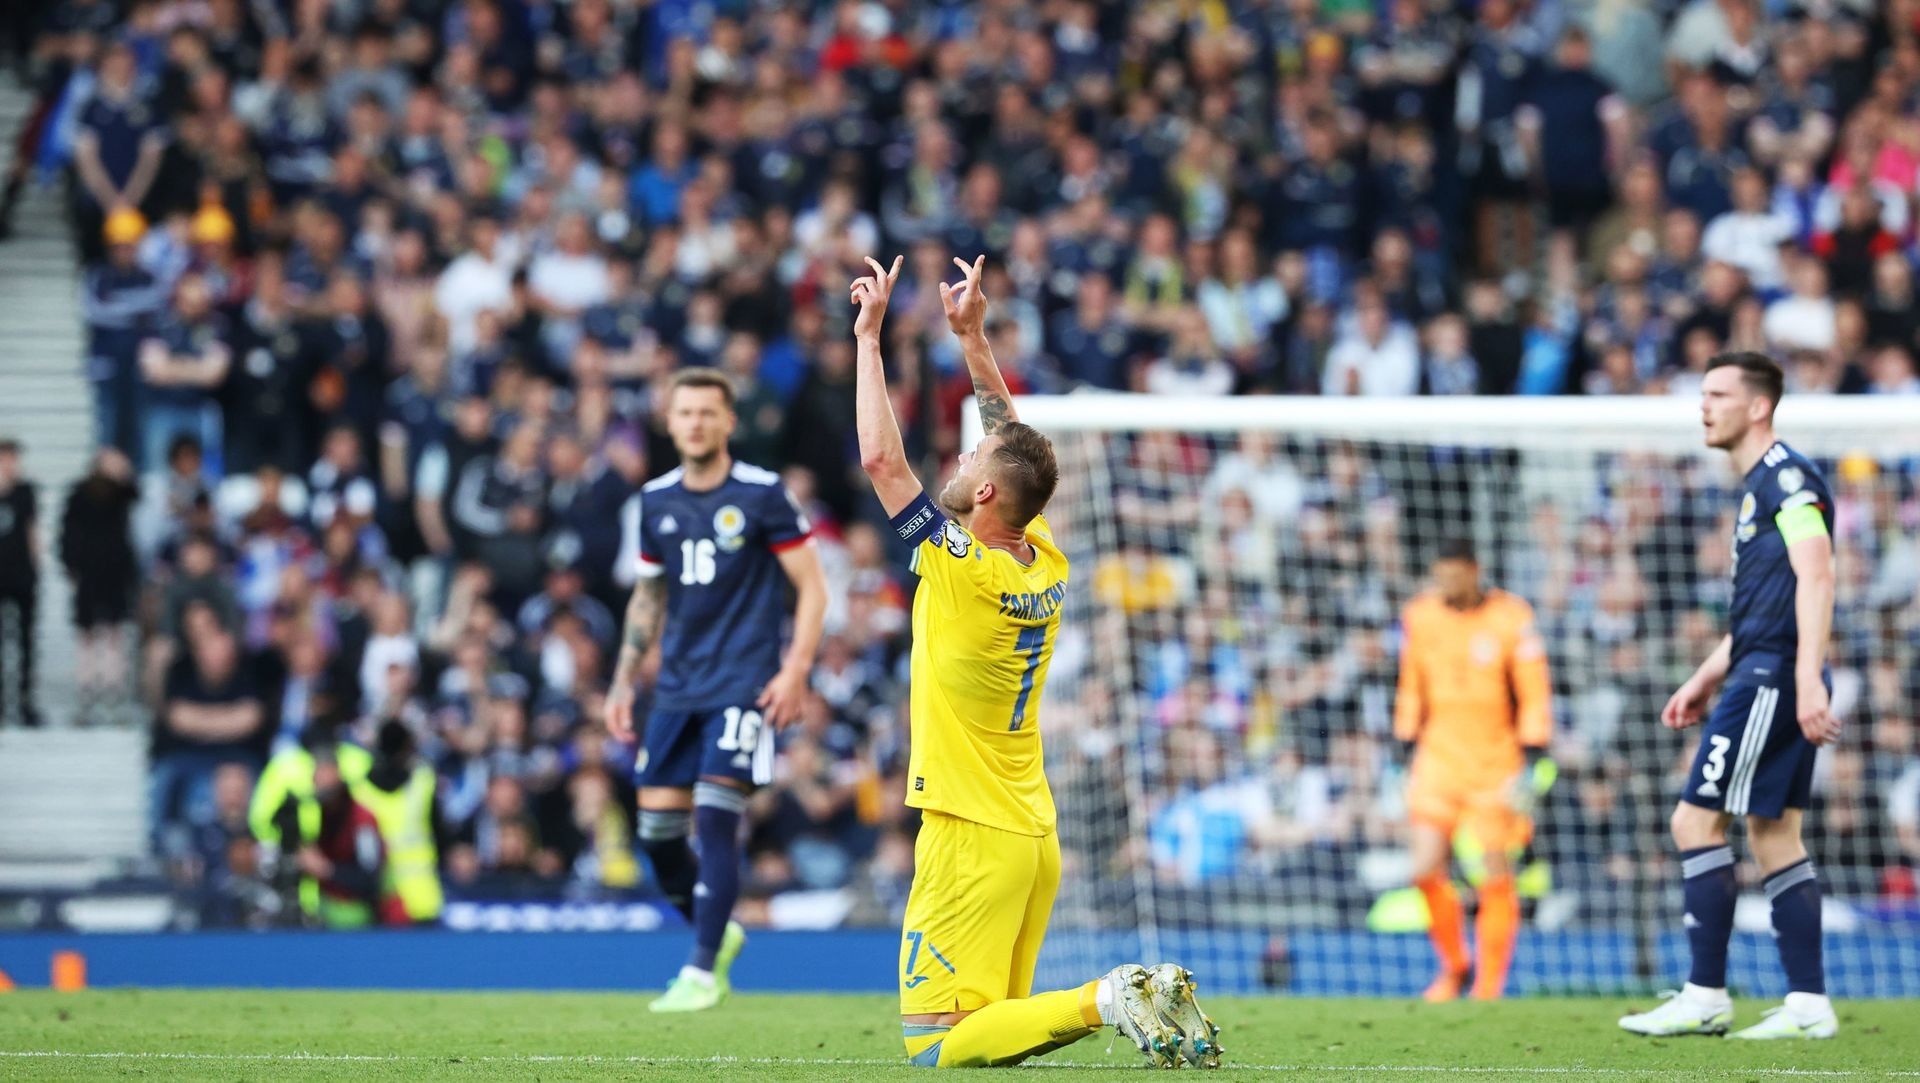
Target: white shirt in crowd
1800, 323
1391, 368
1169, 377
1751, 242
469, 286
569, 282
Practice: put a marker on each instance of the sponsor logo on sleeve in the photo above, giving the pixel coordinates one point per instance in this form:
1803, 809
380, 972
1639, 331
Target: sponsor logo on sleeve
1791, 479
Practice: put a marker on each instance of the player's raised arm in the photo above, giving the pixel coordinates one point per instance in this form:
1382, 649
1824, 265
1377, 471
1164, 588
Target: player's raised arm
882, 454
1811, 555
966, 306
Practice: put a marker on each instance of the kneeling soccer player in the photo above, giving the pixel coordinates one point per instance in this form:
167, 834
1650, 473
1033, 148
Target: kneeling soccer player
985, 619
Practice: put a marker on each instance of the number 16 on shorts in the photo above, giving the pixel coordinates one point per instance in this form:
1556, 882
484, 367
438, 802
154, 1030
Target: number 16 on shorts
682, 747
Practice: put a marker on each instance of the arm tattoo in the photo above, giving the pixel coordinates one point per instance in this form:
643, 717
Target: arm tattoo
994, 409
643, 622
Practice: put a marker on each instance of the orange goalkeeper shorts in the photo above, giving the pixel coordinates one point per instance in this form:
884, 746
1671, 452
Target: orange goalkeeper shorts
1448, 805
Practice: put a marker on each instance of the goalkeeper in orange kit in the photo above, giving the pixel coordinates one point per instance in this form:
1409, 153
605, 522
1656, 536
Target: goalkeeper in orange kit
1474, 699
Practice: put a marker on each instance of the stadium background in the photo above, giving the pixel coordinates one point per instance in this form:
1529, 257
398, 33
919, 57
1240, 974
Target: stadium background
453, 248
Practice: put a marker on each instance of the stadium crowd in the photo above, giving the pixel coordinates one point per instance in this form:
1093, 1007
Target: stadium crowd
379, 293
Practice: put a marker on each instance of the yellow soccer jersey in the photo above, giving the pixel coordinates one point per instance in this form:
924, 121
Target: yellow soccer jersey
984, 628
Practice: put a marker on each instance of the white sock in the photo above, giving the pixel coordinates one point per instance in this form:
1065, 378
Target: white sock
1703, 995
1809, 1007
1103, 1002
694, 973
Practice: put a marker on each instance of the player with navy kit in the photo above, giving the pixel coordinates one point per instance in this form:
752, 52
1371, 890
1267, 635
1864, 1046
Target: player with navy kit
1757, 748
719, 540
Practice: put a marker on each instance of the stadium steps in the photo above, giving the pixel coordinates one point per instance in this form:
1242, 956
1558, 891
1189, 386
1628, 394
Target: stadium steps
44, 399
70, 800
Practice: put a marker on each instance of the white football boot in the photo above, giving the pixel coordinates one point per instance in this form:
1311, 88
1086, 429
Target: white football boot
1693, 1010
1804, 1015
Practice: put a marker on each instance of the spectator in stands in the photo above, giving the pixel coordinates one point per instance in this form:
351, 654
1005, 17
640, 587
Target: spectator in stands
119, 145
1377, 357
183, 363
1751, 234
20, 552
1892, 372
210, 714
118, 299
96, 549
1804, 320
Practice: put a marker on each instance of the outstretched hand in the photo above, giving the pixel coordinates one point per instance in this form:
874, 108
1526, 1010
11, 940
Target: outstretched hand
1686, 707
966, 303
1815, 713
871, 294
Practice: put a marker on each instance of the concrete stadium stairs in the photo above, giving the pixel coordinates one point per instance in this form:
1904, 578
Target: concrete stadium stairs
72, 803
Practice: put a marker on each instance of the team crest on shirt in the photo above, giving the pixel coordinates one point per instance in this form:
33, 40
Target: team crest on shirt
1486, 649
729, 524
1790, 479
1747, 507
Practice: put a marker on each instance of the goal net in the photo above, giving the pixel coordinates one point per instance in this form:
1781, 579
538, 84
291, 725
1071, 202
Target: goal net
1218, 719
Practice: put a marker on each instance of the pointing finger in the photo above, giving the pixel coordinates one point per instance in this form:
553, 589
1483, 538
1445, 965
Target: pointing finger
965, 267
879, 272
895, 272
979, 265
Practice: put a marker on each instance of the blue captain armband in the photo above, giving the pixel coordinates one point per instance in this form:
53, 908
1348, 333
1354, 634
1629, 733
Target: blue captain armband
918, 521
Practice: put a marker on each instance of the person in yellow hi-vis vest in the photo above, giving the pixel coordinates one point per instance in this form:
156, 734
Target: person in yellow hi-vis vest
285, 813
400, 793
324, 837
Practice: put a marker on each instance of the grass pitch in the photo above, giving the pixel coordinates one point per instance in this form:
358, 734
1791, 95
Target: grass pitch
249, 1035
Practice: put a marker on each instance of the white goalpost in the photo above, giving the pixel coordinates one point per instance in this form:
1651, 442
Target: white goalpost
1218, 719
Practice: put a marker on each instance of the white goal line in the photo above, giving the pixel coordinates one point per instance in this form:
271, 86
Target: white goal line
901, 1062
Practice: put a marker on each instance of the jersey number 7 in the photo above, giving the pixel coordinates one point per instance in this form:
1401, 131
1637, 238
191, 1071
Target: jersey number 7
1033, 644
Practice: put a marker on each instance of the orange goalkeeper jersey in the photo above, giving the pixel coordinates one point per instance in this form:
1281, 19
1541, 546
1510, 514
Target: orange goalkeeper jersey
1473, 688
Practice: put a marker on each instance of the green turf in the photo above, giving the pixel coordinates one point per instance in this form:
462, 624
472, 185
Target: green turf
246, 1035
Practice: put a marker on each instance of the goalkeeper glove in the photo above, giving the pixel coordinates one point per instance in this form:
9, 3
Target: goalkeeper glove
1532, 783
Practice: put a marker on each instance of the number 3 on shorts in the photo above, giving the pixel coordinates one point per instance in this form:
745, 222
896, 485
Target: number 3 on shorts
1716, 764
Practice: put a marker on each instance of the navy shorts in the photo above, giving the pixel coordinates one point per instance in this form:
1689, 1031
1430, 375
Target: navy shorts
1752, 759
679, 748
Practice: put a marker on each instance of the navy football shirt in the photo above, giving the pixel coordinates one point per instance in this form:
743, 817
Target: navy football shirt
726, 601
1778, 488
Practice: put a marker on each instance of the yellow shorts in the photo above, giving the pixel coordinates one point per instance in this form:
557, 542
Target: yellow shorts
976, 917
1481, 810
